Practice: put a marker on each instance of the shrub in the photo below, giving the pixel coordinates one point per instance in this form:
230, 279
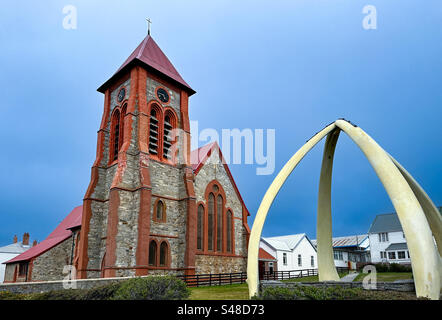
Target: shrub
6, 295
105, 292
68, 294
152, 288
388, 267
309, 293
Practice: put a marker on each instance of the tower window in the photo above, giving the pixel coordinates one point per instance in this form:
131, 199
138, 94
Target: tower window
168, 136
153, 132
152, 253
116, 135
163, 254
159, 211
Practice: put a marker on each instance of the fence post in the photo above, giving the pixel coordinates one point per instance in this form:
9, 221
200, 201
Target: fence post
210, 279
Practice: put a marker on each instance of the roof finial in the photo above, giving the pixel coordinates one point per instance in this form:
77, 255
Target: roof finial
148, 25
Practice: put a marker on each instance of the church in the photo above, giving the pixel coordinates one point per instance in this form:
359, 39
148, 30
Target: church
152, 206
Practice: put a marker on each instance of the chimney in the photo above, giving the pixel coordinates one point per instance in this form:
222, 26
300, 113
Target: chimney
34, 243
15, 239
25, 239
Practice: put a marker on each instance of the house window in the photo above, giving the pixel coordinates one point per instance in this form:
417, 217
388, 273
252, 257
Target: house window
312, 261
383, 237
338, 255
383, 255
22, 269
163, 254
284, 258
211, 221
152, 253
401, 255
392, 255
229, 220
299, 260
200, 228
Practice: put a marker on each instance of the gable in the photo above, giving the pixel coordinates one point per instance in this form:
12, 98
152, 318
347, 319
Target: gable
211, 154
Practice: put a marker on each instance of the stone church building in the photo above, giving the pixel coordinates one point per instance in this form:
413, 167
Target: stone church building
152, 205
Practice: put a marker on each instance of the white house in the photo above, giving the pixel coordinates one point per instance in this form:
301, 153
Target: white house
11, 251
292, 252
349, 250
387, 240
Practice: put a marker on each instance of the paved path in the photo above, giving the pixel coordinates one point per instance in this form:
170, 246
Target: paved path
349, 277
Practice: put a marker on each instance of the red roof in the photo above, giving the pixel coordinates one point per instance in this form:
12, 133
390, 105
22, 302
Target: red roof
148, 53
199, 157
264, 255
57, 236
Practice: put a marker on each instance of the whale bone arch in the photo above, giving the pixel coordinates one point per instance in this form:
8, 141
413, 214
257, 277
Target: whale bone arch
413, 206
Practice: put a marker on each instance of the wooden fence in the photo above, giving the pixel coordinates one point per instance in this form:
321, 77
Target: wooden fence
218, 279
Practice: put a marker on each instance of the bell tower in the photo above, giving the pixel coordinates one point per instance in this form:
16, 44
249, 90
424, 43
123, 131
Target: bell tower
139, 211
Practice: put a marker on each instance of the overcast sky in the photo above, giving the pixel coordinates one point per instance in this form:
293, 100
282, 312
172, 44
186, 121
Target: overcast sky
293, 66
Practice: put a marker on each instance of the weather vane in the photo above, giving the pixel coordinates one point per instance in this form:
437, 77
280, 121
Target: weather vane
148, 25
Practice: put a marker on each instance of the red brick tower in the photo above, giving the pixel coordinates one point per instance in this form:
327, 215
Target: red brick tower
137, 174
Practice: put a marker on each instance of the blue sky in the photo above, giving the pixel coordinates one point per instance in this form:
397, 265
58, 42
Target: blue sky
292, 66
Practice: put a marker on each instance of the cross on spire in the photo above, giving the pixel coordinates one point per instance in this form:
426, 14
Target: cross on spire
148, 25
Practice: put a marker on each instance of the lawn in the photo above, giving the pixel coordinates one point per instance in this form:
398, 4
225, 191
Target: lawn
311, 278
387, 276
227, 292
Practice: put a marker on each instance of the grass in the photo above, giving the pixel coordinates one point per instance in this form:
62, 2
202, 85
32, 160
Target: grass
235, 291
227, 292
311, 278
387, 276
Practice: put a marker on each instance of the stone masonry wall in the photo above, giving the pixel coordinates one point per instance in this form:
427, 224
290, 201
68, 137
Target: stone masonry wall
49, 265
218, 264
214, 169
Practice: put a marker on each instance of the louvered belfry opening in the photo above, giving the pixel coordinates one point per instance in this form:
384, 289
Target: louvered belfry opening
153, 132
167, 137
116, 145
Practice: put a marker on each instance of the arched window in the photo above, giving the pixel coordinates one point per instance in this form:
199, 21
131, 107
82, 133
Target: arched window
200, 228
219, 223
229, 219
152, 253
154, 132
211, 222
168, 135
122, 115
116, 134
160, 214
163, 254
